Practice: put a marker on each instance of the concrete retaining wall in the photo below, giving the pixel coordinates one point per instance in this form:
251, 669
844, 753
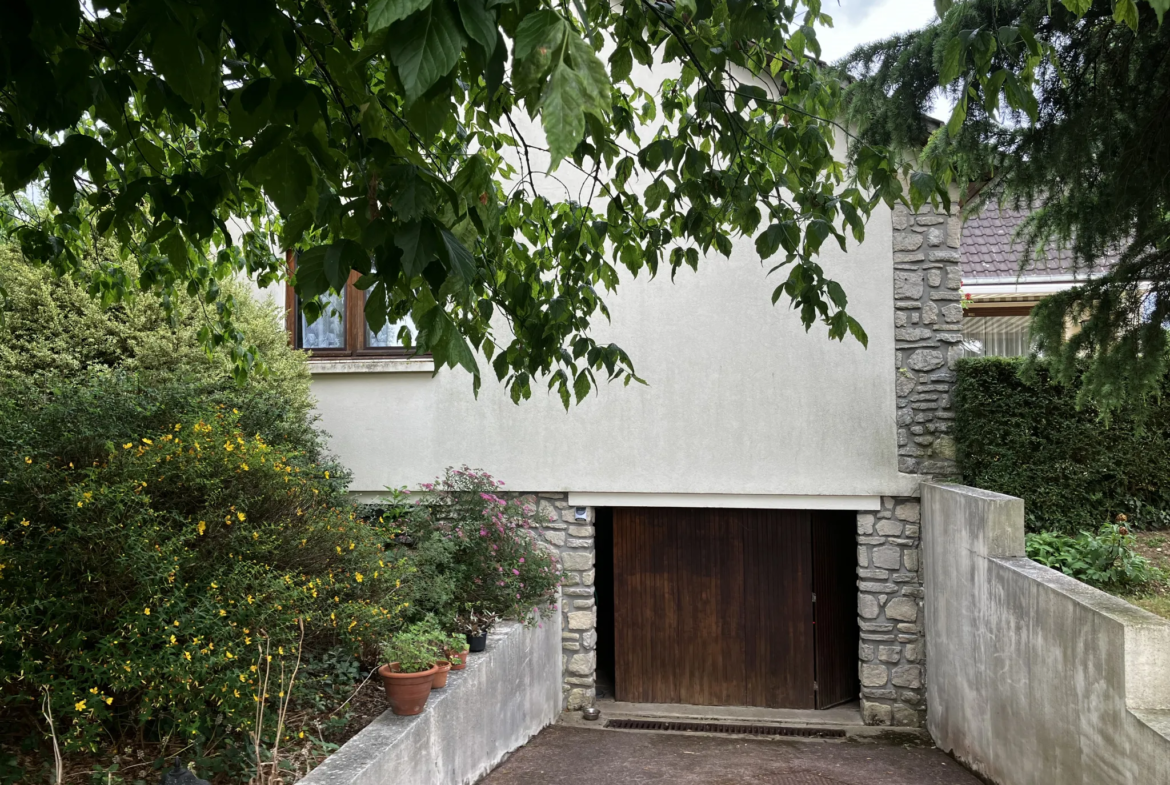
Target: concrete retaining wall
1035, 678
503, 698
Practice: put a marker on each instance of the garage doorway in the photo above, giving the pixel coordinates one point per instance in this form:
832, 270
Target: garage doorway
722, 607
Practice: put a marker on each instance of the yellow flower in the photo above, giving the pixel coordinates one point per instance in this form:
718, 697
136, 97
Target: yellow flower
173, 641
93, 690
214, 585
127, 445
222, 612
29, 460
187, 654
24, 522
147, 441
326, 475
147, 611
358, 577
109, 701
255, 535
79, 706
229, 656
244, 466
240, 515
202, 527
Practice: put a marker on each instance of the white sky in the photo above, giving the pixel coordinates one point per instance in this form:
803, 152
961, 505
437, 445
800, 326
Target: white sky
857, 22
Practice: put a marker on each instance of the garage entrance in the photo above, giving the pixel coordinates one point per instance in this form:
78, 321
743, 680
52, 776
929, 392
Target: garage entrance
723, 607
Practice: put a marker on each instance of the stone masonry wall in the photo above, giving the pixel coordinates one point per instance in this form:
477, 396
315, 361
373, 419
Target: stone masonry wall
928, 314
573, 542
889, 609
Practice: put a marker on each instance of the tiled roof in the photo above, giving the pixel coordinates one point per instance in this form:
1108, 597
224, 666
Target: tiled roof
988, 251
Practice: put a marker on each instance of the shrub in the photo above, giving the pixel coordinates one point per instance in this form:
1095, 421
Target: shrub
154, 553
53, 330
1021, 434
1105, 560
476, 554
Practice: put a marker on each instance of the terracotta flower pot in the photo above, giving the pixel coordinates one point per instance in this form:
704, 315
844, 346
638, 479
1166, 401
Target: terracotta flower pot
407, 692
440, 680
462, 655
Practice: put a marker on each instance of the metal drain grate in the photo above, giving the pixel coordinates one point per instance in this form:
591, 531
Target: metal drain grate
723, 727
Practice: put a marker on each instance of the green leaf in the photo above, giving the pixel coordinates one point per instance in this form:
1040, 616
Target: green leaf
1160, 8
479, 23
592, 76
428, 48
836, 294
952, 61
416, 239
310, 273
459, 259
190, 69
1078, 7
922, 187
942, 6
562, 112
1125, 11
621, 63
535, 29
383, 13
958, 115
285, 176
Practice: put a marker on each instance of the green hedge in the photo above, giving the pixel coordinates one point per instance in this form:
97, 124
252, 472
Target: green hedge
1022, 434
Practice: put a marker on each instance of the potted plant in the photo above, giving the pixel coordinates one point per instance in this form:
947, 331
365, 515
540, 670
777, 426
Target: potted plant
454, 648
474, 624
410, 669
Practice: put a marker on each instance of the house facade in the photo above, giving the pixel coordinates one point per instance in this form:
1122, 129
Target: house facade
744, 529
1000, 289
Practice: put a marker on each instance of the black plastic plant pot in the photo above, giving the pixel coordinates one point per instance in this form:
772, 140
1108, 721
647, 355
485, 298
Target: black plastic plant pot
477, 642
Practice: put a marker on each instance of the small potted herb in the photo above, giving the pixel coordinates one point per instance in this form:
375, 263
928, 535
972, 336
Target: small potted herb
454, 648
410, 669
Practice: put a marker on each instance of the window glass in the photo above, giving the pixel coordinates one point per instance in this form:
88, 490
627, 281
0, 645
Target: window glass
388, 336
996, 336
328, 332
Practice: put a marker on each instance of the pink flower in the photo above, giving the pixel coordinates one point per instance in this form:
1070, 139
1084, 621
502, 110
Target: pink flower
521, 561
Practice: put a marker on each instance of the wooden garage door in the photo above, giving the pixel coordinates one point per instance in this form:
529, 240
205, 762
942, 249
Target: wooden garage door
715, 607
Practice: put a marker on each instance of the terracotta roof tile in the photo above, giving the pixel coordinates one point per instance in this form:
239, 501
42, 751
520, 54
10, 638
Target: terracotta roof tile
987, 250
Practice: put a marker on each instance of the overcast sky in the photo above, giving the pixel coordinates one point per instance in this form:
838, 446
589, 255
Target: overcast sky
861, 21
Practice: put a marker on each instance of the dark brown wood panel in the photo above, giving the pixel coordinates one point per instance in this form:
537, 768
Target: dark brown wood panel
834, 549
779, 609
713, 607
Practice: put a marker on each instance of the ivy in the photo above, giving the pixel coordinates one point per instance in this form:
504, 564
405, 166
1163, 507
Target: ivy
387, 137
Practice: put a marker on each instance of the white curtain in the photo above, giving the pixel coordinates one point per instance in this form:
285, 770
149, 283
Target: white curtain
328, 332
388, 335
996, 336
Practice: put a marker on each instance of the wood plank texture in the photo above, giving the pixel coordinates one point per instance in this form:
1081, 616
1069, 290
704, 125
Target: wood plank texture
835, 582
714, 607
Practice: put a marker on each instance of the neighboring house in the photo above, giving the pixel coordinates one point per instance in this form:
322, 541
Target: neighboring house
745, 528
999, 295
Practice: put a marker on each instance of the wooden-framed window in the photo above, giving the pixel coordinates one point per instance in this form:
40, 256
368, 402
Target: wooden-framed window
341, 330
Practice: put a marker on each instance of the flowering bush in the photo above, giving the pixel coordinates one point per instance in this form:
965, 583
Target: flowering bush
150, 580
481, 549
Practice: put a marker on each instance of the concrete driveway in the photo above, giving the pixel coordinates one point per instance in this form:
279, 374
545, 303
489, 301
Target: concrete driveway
581, 756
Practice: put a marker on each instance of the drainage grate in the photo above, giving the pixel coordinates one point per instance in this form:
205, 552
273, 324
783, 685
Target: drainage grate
723, 727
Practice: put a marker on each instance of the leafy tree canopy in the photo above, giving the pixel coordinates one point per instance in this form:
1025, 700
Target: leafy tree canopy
390, 138
1060, 107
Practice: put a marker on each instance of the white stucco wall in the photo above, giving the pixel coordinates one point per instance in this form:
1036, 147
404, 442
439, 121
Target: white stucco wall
740, 399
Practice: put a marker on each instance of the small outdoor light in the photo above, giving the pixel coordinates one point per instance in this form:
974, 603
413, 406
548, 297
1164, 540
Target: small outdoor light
591, 713
581, 513
181, 776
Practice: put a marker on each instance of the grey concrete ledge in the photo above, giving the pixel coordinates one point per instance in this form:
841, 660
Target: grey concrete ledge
373, 365
504, 697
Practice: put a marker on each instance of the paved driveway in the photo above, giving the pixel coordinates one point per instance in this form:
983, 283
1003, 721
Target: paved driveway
583, 756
